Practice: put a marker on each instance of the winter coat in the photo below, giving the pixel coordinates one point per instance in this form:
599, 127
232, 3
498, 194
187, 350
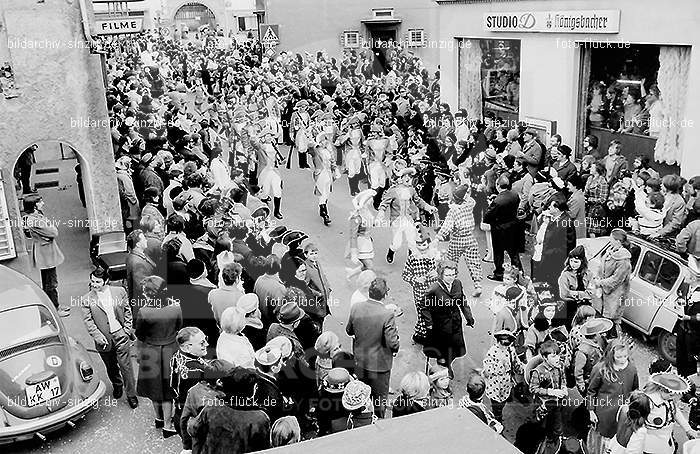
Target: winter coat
688, 240
615, 281
45, 252
444, 310
222, 429
577, 213
568, 284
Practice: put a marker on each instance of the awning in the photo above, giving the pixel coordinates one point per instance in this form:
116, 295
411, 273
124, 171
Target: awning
381, 21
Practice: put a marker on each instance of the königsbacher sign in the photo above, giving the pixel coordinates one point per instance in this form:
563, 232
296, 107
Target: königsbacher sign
590, 21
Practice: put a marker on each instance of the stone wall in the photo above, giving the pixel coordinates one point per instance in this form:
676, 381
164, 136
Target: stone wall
61, 98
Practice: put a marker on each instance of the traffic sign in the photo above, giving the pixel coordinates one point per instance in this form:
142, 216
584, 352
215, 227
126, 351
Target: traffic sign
270, 34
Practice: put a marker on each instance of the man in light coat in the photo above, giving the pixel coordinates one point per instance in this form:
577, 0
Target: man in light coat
107, 317
45, 254
376, 342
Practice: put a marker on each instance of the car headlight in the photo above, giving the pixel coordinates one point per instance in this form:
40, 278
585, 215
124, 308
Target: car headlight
86, 371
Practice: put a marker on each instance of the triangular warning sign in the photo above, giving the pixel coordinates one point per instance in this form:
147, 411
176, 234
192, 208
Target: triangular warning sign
270, 36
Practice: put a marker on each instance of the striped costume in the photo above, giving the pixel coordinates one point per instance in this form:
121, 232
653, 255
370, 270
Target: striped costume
459, 227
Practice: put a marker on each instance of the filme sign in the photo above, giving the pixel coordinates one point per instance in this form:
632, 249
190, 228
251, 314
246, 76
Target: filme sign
118, 26
591, 21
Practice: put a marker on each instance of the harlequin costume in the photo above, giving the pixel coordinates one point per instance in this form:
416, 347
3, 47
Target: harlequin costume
420, 263
501, 365
459, 227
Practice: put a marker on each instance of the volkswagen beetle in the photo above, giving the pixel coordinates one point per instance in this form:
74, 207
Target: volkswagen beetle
46, 379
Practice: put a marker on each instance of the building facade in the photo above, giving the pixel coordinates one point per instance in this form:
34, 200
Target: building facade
580, 67
58, 96
314, 25
232, 17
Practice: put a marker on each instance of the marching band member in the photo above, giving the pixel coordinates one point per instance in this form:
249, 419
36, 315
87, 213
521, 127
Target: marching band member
269, 175
353, 138
376, 147
324, 173
301, 125
361, 245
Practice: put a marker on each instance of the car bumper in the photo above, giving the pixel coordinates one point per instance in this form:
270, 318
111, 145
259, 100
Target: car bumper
46, 424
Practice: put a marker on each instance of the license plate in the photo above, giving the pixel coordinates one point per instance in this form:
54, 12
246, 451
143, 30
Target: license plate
42, 392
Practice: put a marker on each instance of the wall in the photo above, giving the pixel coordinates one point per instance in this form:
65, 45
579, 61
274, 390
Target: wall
60, 88
549, 71
313, 25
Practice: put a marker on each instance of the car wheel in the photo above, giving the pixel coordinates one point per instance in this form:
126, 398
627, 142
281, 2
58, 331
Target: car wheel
666, 344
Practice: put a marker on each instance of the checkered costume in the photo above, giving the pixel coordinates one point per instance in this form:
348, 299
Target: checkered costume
459, 227
418, 265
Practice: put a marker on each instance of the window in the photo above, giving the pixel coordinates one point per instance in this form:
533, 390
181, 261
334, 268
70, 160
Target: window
241, 24
24, 324
636, 251
659, 271
416, 37
383, 13
351, 39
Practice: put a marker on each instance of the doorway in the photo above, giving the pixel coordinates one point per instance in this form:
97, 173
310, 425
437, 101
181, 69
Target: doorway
383, 41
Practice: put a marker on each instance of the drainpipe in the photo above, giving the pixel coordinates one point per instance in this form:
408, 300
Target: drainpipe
86, 27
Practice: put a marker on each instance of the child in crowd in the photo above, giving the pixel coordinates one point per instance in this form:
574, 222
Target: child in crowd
651, 212
326, 346
548, 386
440, 389
501, 365
692, 397
472, 401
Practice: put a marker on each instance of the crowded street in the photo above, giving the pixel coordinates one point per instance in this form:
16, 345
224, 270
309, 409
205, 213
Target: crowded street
231, 236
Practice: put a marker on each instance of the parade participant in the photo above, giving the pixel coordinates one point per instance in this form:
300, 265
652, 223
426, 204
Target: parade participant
589, 351
548, 385
403, 202
510, 307
45, 253
361, 245
540, 328
268, 172
301, 124
324, 173
583, 314
664, 391
501, 365
445, 307
108, 318
420, 273
631, 430
612, 380
375, 154
353, 139
459, 227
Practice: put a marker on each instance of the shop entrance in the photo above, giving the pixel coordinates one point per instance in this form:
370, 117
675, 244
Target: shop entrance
383, 41
193, 16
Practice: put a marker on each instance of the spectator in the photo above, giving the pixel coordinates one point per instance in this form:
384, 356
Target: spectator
561, 162
285, 431
229, 291
577, 204
357, 399
472, 401
270, 289
575, 282
232, 345
614, 162
674, 206
614, 277
413, 398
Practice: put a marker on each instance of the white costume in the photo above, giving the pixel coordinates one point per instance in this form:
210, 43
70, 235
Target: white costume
269, 178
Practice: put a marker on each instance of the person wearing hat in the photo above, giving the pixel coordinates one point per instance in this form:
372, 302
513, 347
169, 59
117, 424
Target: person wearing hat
441, 394
254, 330
235, 424
324, 173
459, 227
289, 316
664, 391
352, 138
403, 203
376, 147
300, 134
45, 254
331, 415
360, 244
501, 366
357, 399
589, 351
509, 307
540, 328
420, 273
268, 363
268, 172
148, 177
532, 151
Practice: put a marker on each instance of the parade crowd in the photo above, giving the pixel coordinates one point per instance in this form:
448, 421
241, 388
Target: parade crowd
226, 305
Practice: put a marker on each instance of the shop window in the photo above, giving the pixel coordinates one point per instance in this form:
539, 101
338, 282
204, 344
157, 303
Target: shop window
659, 271
638, 90
416, 37
351, 39
489, 77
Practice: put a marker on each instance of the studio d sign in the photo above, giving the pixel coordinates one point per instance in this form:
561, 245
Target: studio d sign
591, 21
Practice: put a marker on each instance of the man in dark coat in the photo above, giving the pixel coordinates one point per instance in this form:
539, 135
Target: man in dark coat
237, 425
502, 215
532, 152
376, 341
194, 302
138, 266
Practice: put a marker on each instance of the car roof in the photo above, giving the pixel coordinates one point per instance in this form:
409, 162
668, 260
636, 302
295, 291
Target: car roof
662, 248
17, 289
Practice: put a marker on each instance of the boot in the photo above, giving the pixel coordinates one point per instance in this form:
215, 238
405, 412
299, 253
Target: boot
323, 209
390, 256
277, 201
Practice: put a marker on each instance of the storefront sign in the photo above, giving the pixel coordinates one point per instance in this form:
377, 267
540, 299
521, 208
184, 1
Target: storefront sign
118, 26
591, 21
